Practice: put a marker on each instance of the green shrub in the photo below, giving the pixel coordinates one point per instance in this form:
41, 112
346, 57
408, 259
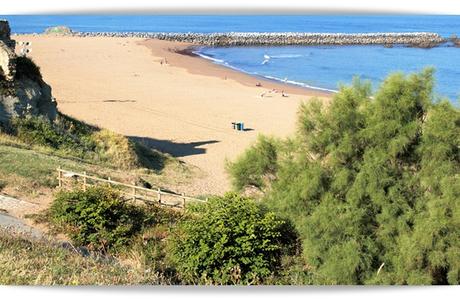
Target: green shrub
229, 240
98, 217
26, 68
38, 131
255, 166
374, 183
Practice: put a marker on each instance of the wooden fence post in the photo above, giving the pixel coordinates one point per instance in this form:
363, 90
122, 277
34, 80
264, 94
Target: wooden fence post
110, 184
159, 195
84, 181
183, 198
59, 177
134, 191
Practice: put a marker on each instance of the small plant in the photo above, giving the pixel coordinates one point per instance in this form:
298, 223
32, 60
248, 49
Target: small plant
98, 217
229, 240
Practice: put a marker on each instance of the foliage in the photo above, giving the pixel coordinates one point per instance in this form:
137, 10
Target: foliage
70, 137
373, 182
255, 165
26, 68
98, 217
229, 240
65, 134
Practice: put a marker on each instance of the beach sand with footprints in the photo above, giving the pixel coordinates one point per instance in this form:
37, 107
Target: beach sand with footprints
160, 93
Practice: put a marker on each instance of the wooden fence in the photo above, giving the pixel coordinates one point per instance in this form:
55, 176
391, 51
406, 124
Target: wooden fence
129, 191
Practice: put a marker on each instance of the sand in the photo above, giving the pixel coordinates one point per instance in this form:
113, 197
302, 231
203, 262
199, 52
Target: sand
185, 107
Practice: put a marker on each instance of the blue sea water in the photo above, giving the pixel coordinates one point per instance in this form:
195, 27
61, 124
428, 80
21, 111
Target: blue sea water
318, 67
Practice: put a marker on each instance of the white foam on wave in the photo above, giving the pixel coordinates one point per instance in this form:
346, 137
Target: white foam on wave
301, 84
220, 61
286, 56
224, 63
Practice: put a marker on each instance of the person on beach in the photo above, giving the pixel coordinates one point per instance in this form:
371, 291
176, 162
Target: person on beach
258, 84
283, 94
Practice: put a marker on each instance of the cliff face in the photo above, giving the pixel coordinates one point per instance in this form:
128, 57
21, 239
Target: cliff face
22, 89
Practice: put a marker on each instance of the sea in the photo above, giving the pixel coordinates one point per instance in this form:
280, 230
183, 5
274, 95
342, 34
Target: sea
317, 67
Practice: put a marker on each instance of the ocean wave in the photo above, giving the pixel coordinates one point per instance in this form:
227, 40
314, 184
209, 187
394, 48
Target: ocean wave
219, 61
286, 56
297, 83
301, 84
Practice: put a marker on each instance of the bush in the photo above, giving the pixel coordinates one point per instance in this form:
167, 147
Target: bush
229, 240
65, 134
374, 181
255, 166
98, 217
26, 68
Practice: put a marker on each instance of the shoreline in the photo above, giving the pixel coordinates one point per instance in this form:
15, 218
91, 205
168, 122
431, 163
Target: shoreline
193, 51
184, 107
206, 67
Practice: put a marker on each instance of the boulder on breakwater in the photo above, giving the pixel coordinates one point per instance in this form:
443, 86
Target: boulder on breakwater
415, 39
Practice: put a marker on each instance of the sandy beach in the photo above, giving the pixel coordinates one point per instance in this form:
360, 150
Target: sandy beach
184, 107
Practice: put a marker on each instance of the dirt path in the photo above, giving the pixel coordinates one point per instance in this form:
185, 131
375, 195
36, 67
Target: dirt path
10, 208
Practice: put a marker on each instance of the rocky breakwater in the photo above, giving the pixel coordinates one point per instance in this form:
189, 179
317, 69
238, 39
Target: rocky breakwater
22, 89
414, 39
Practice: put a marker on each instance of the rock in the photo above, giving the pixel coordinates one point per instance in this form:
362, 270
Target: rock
28, 98
455, 40
5, 34
22, 89
414, 39
59, 30
7, 61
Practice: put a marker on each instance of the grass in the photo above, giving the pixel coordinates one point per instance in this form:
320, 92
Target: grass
71, 138
23, 170
32, 148
27, 262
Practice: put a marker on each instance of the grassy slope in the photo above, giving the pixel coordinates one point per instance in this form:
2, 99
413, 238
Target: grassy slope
24, 169
26, 262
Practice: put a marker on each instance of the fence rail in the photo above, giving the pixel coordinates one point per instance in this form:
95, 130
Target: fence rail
130, 191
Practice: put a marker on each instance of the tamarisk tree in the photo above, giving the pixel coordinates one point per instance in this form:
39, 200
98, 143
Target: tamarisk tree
372, 184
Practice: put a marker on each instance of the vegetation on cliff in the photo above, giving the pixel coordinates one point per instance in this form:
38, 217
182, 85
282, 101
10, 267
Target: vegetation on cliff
69, 137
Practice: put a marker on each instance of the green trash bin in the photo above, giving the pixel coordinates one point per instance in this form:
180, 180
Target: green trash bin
238, 126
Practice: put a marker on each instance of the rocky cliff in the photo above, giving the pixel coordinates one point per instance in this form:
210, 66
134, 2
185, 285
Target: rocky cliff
22, 89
